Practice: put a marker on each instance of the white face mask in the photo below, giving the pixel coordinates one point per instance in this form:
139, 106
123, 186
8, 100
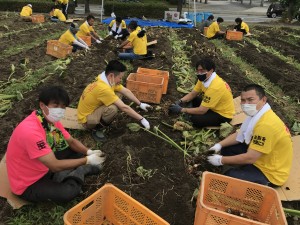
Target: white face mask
55, 114
112, 83
249, 109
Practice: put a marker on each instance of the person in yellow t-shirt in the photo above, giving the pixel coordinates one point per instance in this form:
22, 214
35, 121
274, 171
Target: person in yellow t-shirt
26, 13
117, 28
57, 15
64, 6
86, 29
99, 102
138, 41
262, 148
70, 38
214, 31
215, 103
242, 26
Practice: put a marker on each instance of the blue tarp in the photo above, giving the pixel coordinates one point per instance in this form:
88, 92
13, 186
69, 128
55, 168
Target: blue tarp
152, 23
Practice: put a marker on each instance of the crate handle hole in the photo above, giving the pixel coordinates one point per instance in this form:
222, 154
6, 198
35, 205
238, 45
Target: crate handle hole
287, 188
87, 205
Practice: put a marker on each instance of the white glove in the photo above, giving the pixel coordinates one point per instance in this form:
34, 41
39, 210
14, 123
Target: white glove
87, 48
217, 148
144, 106
145, 123
215, 160
95, 159
91, 152
234, 29
121, 35
116, 37
98, 41
101, 39
110, 33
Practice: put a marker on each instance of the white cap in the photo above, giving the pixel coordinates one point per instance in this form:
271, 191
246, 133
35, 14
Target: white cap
29, 5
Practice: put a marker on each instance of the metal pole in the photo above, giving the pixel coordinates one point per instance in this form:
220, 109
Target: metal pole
195, 21
101, 11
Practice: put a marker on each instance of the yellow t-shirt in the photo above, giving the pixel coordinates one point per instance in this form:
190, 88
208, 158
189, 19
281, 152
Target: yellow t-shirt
245, 27
212, 29
67, 38
139, 44
217, 97
95, 95
272, 138
26, 11
85, 29
123, 24
58, 13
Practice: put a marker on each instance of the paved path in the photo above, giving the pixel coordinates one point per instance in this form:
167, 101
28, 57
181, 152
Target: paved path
229, 10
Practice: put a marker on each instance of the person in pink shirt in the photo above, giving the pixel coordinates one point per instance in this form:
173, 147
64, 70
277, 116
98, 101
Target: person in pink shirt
44, 162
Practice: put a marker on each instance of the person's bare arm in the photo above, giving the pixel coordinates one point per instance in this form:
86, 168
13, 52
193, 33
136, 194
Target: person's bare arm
196, 111
250, 157
190, 96
128, 94
77, 146
127, 109
56, 165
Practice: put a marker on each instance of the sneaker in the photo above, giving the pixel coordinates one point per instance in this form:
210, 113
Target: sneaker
99, 135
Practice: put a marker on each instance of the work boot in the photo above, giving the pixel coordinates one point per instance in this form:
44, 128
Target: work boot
60, 176
99, 135
79, 173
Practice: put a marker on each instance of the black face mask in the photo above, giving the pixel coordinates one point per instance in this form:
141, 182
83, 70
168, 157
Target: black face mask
202, 76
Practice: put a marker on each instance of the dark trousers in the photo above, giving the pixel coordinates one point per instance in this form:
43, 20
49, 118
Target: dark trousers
48, 188
247, 172
76, 47
218, 36
210, 118
64, 9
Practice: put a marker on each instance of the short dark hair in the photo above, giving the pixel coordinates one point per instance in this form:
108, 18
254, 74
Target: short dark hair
118, 19
54, 94
206, 63
258, 89
220, 20
132, 25
115, 67
54, 7
238, 20
211, 17
90, 17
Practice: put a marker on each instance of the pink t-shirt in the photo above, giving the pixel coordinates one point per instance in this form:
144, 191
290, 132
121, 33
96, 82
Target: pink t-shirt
26, 145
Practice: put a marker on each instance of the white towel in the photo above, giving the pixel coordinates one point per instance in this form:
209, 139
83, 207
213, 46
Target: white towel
248, 125
208, 82
114, 28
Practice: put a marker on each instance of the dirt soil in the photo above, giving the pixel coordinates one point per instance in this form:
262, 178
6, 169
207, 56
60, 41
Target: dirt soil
169, 191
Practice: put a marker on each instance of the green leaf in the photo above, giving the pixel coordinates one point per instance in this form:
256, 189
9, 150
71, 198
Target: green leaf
133, 127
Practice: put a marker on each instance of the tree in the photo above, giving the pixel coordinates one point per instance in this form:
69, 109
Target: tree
87, 6
292, 8
179, 7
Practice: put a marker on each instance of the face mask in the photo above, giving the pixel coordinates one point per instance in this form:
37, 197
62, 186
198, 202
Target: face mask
202, 76
112, 83
249, 109
55, 114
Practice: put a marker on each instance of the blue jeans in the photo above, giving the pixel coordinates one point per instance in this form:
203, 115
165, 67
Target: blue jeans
247, 172
129, 55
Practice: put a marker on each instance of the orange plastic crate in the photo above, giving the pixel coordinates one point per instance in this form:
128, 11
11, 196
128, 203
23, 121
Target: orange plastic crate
162, 73
205, 31
109, 205
38, 18
58, 49
146, 88
86, 39
259, 204
234, 35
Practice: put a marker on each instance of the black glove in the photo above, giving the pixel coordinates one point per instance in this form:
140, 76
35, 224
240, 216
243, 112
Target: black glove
178, 102
176, 109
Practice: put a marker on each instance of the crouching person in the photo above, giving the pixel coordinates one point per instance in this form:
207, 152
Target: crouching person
44, 162
26, 13
100, 101
70, 38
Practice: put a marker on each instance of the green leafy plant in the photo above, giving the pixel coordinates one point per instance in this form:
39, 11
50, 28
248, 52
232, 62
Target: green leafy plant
145, 174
